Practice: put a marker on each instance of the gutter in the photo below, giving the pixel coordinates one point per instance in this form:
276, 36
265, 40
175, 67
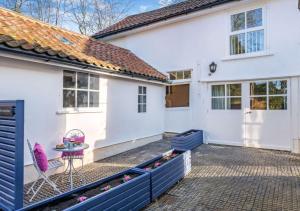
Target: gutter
60, 62
208, 6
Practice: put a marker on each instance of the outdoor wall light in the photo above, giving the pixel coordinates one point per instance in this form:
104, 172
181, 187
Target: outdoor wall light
213, 67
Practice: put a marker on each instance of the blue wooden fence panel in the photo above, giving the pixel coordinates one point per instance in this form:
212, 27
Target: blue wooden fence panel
11, 154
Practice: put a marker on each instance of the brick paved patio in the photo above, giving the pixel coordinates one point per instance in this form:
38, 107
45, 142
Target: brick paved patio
222, 178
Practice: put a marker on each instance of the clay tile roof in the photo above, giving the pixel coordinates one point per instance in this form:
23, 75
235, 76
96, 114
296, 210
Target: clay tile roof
25, 34
162, 14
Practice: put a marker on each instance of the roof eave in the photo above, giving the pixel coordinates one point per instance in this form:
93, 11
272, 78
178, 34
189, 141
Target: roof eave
47, 58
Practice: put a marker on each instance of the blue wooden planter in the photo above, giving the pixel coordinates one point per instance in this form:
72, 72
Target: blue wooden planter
132, 195
187, 140
166, 175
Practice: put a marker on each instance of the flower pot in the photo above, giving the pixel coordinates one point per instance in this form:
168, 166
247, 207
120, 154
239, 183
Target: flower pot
167, 174
129, 195
187, 140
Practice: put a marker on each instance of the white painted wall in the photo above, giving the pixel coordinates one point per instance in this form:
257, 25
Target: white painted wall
41, 88
196, 42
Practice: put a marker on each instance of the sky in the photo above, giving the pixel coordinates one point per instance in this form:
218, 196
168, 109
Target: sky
144, 5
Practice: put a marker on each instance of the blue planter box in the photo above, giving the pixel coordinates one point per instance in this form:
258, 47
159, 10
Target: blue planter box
187, 140
131, 195
168, 174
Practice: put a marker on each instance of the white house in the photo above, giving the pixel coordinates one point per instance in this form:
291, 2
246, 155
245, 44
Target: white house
70, 81
252, 99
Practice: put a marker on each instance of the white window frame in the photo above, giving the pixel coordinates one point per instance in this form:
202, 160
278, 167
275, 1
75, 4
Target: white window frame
226, 96
181, 80
265, 51
142, 103
268, 95
76, 108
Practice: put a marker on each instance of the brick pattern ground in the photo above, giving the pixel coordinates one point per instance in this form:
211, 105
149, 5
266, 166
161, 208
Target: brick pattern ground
222, 178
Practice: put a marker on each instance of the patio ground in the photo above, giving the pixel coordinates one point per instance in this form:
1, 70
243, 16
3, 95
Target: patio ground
222, 178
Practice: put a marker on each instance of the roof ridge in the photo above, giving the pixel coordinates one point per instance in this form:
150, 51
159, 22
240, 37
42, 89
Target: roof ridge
29, 18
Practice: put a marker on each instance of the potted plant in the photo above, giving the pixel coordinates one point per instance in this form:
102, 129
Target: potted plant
129, 190
166, 170
187, 140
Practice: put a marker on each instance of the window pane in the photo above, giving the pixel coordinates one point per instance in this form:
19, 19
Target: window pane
238, 22
278, 103
277, 87
94, 82
258, 88
140, 108
69, 98
234, 103
145, 90
69, 79
234, 90
218, 90
144, 99
187, 74
144, 107
218, 103
94, 99
258, 103
140, 90
179, 75
237, 44
140, 100
173, 76
254, 18
82, 80
82, 99
255, 41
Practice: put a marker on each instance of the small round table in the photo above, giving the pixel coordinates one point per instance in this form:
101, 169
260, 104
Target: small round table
70, 168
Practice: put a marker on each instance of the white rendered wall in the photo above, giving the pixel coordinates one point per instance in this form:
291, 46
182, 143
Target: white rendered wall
195, 43
41, 88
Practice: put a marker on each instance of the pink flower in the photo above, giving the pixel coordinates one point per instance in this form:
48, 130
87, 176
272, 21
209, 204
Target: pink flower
156, 164
81, 199
174, 155
126, 178
106, 188
147, 169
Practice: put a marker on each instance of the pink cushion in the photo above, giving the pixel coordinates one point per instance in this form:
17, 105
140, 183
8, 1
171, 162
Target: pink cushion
41, 157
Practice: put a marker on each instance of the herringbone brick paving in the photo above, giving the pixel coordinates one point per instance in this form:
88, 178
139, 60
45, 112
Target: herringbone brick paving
222, 178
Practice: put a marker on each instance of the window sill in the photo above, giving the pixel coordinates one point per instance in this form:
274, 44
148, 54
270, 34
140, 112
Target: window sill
247, 56
178, 109
79, 111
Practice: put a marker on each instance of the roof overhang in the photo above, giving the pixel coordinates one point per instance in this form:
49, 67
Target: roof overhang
58, 62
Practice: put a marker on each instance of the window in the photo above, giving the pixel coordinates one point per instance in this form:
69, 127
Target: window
178, 96
80, 90
247, 32
226, 96
268, 95
142, 99
180, 75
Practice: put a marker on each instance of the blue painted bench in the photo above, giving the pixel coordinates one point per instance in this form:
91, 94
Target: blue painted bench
188, 140
168, 174
131, 195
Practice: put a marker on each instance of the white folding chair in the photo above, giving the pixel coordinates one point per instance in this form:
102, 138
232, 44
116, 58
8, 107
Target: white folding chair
52, 165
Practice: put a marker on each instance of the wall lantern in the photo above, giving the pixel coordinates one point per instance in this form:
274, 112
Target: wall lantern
213, 67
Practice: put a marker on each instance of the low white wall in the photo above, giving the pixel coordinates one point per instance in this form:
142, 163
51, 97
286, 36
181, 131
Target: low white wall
117, 122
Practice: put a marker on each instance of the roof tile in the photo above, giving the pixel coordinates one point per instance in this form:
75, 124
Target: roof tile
17, 31
154, 16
